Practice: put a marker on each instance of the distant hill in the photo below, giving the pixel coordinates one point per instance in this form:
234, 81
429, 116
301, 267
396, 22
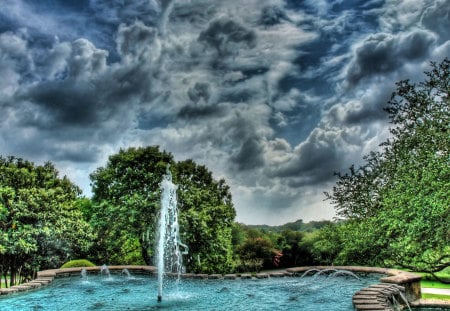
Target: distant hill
297, 225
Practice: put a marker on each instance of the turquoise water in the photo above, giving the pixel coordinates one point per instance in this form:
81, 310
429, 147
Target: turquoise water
140, 293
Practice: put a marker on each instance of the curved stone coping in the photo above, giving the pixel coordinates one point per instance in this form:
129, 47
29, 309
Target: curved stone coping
64, 272
396, 285
379, 297
394, 276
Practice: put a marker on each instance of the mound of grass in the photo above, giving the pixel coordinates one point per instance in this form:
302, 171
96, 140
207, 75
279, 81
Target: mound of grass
78, 263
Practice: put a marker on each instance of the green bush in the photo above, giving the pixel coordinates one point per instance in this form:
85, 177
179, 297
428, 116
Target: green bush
78, 263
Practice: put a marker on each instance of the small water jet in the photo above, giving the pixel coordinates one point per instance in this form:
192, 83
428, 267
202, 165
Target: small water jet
169, 257
84, 276
309, 271
332, 273
345, 273
104, 270
397, 304
127, 273
325, 271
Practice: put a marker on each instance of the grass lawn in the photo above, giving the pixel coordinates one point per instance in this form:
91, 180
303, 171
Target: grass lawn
428, 282
433, 284
436, 296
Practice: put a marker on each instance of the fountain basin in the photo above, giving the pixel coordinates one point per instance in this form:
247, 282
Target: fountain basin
119, 292
281, 290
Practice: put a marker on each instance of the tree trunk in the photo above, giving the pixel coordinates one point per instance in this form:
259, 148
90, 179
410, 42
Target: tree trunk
144, 251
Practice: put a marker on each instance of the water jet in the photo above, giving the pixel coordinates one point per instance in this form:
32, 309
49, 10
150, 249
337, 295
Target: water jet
169, 257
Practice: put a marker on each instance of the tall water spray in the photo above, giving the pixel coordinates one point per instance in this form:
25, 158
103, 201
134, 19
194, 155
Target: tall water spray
169, 258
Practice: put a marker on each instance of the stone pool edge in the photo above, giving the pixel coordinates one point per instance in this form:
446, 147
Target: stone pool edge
378, 296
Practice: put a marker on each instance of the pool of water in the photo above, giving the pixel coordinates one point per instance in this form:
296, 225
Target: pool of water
139, 293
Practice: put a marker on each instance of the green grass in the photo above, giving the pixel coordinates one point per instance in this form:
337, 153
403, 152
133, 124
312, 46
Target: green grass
435, 296
433, 284
2, 282
429, 282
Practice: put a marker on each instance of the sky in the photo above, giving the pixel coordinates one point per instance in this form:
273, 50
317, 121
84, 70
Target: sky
274, 96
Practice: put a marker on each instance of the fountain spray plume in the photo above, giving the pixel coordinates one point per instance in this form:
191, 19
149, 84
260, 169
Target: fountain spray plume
169, 258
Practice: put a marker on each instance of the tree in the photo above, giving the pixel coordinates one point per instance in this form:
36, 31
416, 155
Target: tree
41, 225
396, 204
126, 208
125, 204
206, 218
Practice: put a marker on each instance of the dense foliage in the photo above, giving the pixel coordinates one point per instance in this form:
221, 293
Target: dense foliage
397, 205
206, 218
269, 247
40, 224
126, 203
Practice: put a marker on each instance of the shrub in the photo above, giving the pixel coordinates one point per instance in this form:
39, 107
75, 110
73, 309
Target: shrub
78, 263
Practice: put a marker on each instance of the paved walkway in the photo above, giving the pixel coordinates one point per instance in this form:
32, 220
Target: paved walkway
439, 291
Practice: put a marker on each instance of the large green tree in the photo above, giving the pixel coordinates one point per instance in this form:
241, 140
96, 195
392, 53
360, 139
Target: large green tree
396, 204
126, 203
41, 226
126, 206
206, 218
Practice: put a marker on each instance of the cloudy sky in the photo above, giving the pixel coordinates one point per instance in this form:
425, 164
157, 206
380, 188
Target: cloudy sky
272, 95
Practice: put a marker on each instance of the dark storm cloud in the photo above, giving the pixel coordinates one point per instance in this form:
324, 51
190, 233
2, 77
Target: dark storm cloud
367, 109
360, 112
116, 12
312, 161
384, 53
76, 91
70, 97
250, 154
136, 40
200, 91
62, 104
15, 62
272, 15
227, 36
437, 18
202, 111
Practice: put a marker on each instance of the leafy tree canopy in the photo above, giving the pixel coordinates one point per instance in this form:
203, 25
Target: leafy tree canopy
397, 203
40, 224
126, 207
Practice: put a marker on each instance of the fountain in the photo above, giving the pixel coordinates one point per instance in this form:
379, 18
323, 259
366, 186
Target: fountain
123, 293
104, 270
84, 274
169, 258
127, 273
126, 292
